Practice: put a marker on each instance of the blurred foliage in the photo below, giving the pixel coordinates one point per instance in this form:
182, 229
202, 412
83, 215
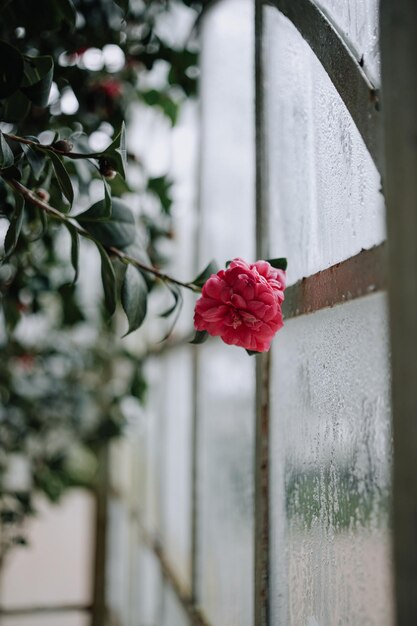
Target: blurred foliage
71, 72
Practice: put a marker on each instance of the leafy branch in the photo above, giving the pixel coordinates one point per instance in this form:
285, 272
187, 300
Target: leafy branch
65, 219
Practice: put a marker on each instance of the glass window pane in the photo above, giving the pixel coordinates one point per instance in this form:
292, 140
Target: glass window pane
177, 414
70, 618
324, 190
331, 459
225, 505
173, 613
118, 559
227, 227
56, 568
358, 22
225, 383
149, 590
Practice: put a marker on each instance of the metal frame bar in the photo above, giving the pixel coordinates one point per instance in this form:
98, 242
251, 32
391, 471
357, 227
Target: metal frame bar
186, 600
334, 53
358, 276
261, 457
399, 93
40, 610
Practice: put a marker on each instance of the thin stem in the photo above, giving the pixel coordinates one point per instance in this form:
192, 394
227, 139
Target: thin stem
70, 155
34, 199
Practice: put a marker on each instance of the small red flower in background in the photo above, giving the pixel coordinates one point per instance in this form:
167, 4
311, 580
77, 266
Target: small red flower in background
242, 304
104, 96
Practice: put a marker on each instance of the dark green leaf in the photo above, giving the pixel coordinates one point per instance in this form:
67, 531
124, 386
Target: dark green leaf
116, 152
71, 312
12, 235
118, 231
174, 289
75, 248
62, 176
11, 69
177, 298
38, 74
108, 278
153, 97
68, 12
205, 274
15, 108
123, 4
36, 160
6, 154
134, 298
161, 187
200, 337
107, 198
252, 352
279, 264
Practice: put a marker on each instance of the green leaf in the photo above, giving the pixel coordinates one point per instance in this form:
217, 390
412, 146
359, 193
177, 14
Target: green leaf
161, 187
279, 264
153, 97
200, 337
123, 4
134, 298
75, 248
252, 352
6, 154
71, 312
36, 160
119, 230
38, 74
177, 299
211, 268
68, 12
11, 69
15, 108
62, 176
108, 278
107, 198
174, 289
116, 152
12, 235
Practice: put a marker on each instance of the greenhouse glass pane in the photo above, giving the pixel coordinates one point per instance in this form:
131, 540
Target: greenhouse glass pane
324, 192
225, 505
330, 468
149, 590
70, 618
177, 413
173, 613
358, 23
225, 374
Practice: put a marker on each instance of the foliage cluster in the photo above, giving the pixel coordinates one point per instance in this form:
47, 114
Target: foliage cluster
70, 72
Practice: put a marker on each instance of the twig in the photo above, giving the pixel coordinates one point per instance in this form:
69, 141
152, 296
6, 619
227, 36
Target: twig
34, 199
70, 155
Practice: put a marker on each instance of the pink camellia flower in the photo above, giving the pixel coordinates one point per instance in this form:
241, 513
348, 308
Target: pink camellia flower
242, 304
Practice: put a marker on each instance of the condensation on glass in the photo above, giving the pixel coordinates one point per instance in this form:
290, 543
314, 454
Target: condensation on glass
330, 472
35, 575
324, 192
118, 557
358, 23
176, 446
172, 611
149, 588
225, 379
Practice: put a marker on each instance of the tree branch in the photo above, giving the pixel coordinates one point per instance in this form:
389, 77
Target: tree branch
54, 213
